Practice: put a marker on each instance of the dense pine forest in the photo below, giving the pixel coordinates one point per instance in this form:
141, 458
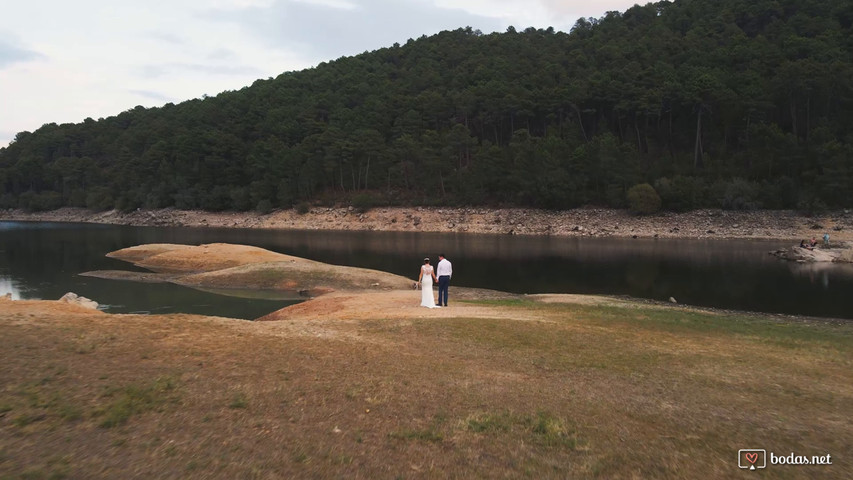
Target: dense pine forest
736, 104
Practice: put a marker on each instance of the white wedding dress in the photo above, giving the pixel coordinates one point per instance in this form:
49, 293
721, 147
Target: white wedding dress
427, 299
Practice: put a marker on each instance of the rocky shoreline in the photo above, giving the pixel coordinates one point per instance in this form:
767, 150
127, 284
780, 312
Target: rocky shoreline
593, 222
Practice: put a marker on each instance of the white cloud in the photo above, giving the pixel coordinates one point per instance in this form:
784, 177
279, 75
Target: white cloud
560, 14
341, 4
156, 96
10, 54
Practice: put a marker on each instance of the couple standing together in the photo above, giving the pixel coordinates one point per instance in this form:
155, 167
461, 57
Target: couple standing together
442, 275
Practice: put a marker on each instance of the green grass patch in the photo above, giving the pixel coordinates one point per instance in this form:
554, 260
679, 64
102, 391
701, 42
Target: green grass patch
425, 435
25, 419
791, 333
55, 469
40, 401
300, 456
134, 399
547, 345
430, 434
490, 422
69, 412
504, 334
552, 431
510, 302
542, 428
239, 400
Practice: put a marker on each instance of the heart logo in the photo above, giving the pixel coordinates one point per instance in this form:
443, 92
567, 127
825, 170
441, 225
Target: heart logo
752, 457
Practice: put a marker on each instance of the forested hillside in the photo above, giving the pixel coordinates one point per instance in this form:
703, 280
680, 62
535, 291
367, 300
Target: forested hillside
715, 103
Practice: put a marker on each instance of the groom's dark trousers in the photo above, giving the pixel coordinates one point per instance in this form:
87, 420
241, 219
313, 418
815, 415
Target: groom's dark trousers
443, 284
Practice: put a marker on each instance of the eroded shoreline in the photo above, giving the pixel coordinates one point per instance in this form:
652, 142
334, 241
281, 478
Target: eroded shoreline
591, 222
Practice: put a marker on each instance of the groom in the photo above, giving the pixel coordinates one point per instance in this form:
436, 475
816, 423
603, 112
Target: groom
444, 270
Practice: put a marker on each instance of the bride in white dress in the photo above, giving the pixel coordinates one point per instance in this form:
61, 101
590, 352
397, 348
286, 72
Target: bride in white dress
425, 280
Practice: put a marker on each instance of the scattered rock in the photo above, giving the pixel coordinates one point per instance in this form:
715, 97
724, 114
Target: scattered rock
75, 299
578, 222
672, 300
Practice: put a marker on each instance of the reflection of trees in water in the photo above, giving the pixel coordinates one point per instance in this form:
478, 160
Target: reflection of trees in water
739, 274
43, 252
506, 247
821, 272
642, 277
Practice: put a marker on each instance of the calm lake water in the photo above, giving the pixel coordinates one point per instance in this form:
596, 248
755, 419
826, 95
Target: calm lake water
43, 260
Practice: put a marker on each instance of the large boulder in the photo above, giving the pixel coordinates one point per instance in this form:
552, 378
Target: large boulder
805, 255
800, 254
75, 299
845, 256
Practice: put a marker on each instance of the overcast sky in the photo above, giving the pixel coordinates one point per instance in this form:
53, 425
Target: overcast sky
64, 60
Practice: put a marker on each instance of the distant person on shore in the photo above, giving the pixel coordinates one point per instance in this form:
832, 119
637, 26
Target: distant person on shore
813, 242
826, 240
804, 244
425, 279
445, 271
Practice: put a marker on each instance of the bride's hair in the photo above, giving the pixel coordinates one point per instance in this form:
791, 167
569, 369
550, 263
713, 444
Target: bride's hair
426, 260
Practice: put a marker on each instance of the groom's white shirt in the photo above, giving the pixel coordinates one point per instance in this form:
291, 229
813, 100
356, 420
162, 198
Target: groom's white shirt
444, 268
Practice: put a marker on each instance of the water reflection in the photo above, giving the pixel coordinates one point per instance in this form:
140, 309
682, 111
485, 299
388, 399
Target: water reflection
43, 260
820, 273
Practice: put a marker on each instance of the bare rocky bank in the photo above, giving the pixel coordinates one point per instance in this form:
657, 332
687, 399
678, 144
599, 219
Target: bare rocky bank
594, 222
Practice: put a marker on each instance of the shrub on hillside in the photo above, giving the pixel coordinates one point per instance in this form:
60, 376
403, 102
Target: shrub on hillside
736, 194
40, 202
682, 193
302, 208
363, 202
264, 207
643, 199
777, 194
99, 199
810, 204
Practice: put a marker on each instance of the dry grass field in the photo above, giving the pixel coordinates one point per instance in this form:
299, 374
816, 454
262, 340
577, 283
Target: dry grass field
368, 385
